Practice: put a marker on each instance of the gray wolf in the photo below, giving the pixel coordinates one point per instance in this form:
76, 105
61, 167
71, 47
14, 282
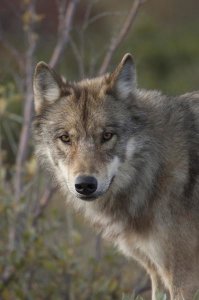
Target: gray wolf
128, 160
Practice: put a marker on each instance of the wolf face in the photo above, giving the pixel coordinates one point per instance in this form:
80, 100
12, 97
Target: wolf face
86, 127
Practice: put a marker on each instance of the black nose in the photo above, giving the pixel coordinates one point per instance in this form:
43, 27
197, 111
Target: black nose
85, 185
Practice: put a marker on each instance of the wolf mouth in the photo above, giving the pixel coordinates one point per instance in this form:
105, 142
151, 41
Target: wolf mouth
87, 198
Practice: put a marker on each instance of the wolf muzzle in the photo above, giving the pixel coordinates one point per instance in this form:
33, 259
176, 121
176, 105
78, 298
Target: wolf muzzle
85, 185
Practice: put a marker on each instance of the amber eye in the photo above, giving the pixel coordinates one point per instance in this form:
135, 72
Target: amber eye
107, 136
65, 138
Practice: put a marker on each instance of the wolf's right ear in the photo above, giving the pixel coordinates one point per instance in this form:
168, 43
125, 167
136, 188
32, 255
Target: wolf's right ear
46, 86
123, 78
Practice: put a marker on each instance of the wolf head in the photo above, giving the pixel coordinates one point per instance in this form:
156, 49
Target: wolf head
86, 131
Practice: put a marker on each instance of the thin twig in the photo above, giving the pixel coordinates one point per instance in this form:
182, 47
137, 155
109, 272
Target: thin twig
78, 57
116, 41
88, 13
141, 286
12, 51
43, 203
10, 137
64, 34
98, 247
82, 37
14, 117
142, 289
102, 15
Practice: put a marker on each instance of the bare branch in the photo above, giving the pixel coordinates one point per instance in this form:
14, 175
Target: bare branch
116, 41
9, 134
65, 28
80, 56
43, 203
28, 107
61, 7
88, 13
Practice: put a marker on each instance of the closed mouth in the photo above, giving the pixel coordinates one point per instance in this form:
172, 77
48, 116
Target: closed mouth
87, 198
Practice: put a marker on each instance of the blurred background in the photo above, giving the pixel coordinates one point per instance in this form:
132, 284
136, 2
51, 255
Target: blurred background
47, 252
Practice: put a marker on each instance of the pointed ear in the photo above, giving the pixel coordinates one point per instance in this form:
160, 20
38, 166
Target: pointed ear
46, 86
124, 77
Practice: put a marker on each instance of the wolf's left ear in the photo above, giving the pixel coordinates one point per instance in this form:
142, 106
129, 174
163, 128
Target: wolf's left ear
124, 77
46, 86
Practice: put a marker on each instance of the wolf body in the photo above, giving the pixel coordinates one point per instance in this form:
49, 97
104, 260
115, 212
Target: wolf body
128, 160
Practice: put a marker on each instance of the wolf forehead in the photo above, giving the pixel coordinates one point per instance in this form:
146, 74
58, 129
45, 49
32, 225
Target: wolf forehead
86, 102
95, 87
85, 99
83, 95
49, 87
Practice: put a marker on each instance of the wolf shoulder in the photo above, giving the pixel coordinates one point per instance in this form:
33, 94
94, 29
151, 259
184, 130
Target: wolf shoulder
190, 104
192, 99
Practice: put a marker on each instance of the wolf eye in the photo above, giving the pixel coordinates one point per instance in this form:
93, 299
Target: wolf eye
65, 138
107, 136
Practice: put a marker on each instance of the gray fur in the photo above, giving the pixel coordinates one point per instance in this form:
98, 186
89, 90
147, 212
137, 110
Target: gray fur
148, 198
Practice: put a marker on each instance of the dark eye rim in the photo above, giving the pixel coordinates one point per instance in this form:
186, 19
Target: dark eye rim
68, 142
107, 136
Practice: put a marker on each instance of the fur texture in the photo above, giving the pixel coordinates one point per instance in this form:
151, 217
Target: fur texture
142, 148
